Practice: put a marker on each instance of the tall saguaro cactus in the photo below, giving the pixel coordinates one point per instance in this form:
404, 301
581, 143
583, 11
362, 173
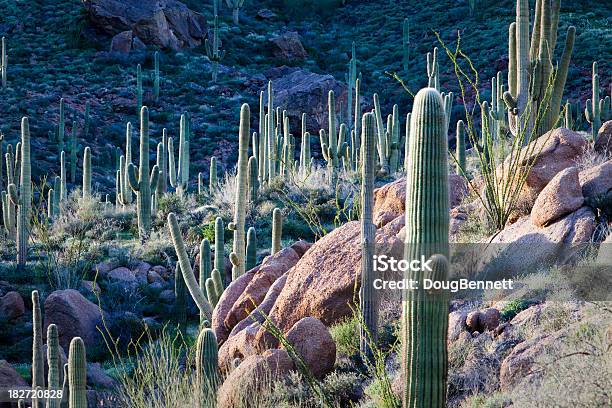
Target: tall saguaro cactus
219, 245
142, 182
38, 365
54, 363
460, 148
87, 172
22, 196
3, 63
367, 294
179, 178
212, 50
277, 230
594, 106
238, 247
333, 145
77, 374
424, 348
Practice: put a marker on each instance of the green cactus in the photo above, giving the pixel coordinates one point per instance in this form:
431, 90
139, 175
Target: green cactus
162, 163
351, 79
63, 188
406, 45
179, 178
192, 285
271, 134
22, 196
592, 110
50, 204
1, 161
77, 374
424, 362
211, 291
533, 101
448, 107
433, 70
237, 257
251, 249
159, 157
356, 136
406, 138
218, 282
219, 244
142, 182
368, 298
61, 129
263, 141
54, 363
235, 5
180, 298
57, 182
207, 366
333, 145
212, 175
87, 172
139, 92
204, 268
212, 50
65, 388
74, 149
277, 231
38, 364
460, 148
3, 62
253, 181
126, 192
156, 79
305, 154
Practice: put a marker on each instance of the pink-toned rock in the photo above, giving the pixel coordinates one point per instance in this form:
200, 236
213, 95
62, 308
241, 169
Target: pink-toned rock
323, 282
9, 377
456, 324
603, 144
489, 319
12, 306
596, 182
473, 320
288, 47
226, 302
457, 189
270, 270
241, 345
549, 154
311, 340
74, 316
273, 365
561, 196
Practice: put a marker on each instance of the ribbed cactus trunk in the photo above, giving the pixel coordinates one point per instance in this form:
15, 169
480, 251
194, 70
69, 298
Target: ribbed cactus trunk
77, 374
271, 134
460, 148
368, 297
54, 363
277, 230
22, 196
424, 348
3, 62
127, 194
63, 188
219, 245
143, 183
238, 247
38, 364
592, 111
212, 175
180, 298
87, 172
204, 269
251, 249
207, 367
253, 180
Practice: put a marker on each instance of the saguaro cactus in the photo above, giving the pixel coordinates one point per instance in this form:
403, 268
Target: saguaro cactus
22, 196
592, 111
179, 178
212, 51
139, 92
87, 172
212, 175
61, 129
54, 363
253, 181
142, 182
207, 366
204, 268
333, 145
235, 5
3, 63
38, 365
238, 248
424, 362
219, 245
192, 285
180, 298
460, 148
77, 374
251, 249
277, 230
433, 69
368, 299
271, 134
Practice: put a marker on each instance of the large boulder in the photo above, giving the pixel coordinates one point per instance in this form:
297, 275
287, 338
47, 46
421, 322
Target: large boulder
10, 378
226, 302
300, 91
11, 306
603, 144
163, 23
560, 197
271, 366
288, 47
312, 342
75, 316
596, 183
548, 155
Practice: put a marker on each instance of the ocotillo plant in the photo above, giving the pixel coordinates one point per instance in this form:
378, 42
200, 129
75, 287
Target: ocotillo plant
142, 182
212, 175
3, 63
77, 374
54, 364
535, 85
192, 285
38, 364
277, 230
87, 172
433, 69
251, 249
139, 92
592, 111
332, 146
207, 366
237, 256
235, 5
22, 196
424, 362
219, 245
367, 294
156, 78
212, 50
460, 149
406, 45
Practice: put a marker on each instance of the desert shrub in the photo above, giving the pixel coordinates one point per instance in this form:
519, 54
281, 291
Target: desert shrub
346, 337
515, 307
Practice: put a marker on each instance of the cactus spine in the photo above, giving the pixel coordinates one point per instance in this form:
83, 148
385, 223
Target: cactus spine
142, 182
424, 355
87, 172
238, 248
53, 361
38, 364
277, 230
77, 374
22, 196
368, 301
207, 366
3, 63
187, 272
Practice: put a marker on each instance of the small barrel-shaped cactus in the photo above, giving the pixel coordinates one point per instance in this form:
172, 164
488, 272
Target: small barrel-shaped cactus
207, 364
77, 374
